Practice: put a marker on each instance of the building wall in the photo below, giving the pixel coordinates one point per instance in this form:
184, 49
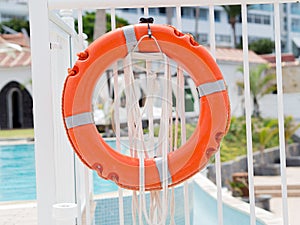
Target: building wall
291, 97
268, 103
15, 98
13, 9
260, 21
291, 79
16, 107
21, 75
231, 76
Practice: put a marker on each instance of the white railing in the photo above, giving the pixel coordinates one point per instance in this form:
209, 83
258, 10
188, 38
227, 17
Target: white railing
47, 76
102, 4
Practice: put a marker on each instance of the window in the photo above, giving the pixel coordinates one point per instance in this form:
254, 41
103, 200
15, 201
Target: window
153, 11
295, 25
7, 17
295, 8
285, 24
187, 12
203, 38
217, 16
130, 10
203, 14
259, 19
284, 8
162, 10
262, 7
266, 20
223, 38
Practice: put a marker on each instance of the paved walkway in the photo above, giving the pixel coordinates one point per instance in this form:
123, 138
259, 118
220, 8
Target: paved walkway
293, 179
25, 213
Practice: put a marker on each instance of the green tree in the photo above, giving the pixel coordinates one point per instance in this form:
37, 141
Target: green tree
262, 46
233, 11
261, 83
15, 24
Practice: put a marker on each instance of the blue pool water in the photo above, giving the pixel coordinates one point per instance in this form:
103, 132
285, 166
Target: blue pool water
17, 182
202, 209
17, 174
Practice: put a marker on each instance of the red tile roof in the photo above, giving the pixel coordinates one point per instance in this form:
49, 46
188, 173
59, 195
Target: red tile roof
15, 58
14, 50
285, 57
19, 39
236, 55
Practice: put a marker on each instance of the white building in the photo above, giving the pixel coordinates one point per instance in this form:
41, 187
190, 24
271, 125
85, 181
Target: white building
260, 22
15, 82
10, 9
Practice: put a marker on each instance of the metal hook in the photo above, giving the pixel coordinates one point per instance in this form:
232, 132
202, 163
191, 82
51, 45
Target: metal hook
148, 21
149, 31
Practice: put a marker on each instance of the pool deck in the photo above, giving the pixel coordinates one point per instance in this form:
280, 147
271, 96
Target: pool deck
272, 185
18, 213
25, 212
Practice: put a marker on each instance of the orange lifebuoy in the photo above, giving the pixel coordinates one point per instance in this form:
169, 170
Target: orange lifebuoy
213, 119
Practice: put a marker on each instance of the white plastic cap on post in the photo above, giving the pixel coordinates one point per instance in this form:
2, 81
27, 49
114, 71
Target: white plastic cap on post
65, 212
67, 17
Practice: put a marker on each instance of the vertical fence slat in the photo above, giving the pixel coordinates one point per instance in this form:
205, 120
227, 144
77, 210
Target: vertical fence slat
113, 18
280, 114
178, 18
183, 137
146, 11
116, 116
248, 113
86, 170
212, 41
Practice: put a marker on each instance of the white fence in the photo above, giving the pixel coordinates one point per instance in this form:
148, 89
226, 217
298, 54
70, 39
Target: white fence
54, 44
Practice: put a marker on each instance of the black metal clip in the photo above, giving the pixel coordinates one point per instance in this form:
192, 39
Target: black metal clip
148, 21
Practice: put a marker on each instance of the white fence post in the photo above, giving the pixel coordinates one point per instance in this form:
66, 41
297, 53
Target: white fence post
43, 110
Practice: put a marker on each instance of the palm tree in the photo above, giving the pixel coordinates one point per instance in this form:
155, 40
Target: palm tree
169, 14
265, 133
100, 23
290, 127
233, 11
260, 85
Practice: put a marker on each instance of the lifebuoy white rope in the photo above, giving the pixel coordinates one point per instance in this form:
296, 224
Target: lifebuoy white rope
158, 204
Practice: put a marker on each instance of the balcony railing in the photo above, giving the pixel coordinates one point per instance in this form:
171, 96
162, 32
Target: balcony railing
48, 71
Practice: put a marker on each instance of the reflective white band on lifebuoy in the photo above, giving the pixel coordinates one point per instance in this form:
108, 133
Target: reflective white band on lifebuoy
79, 120
211, 87
130, 37
159, 166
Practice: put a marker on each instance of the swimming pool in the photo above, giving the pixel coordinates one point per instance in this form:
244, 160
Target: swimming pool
202, 208
17, 174
17, 182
